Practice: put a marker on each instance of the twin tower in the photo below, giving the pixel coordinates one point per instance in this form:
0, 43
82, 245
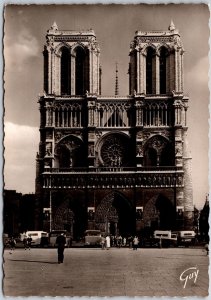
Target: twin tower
72, 64
118, 164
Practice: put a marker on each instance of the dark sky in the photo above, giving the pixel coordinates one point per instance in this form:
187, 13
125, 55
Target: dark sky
115, 26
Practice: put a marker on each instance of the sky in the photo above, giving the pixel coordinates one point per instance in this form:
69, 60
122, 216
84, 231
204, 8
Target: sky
25, 29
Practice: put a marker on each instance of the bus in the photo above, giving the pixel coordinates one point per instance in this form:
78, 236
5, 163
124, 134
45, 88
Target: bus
53, 235
93, 238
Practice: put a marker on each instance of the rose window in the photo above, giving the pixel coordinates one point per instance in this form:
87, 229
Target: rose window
113, 151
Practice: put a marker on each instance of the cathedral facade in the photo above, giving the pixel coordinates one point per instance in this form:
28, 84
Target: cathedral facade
118, 164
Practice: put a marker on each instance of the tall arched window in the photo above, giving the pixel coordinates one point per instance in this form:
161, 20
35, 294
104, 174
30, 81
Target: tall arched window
150, 71
80, 71
45, 55
65, 72
163, 54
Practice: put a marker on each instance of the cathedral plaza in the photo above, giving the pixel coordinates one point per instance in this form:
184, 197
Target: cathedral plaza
117, 164
116, 272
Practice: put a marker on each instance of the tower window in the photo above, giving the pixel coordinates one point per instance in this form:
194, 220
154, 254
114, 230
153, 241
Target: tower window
45, 54
150, 71
163, 54
65, 72
80, 71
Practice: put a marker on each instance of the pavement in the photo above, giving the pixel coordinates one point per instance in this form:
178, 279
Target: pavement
115, 272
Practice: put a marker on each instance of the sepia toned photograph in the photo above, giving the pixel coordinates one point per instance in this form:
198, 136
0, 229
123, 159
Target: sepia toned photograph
106, 123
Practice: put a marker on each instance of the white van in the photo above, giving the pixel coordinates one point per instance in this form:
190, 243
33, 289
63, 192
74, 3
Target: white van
166, 238
36, 237
186, 238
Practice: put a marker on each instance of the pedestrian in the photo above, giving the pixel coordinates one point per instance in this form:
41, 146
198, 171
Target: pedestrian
103, 241
130, 240
60, 241
135, 243
108, 244
28, 242
25, 241
12, 243
206, 246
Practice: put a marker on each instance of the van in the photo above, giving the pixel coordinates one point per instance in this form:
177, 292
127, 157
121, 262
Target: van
37, 237
165, 238
93, 238
186, 238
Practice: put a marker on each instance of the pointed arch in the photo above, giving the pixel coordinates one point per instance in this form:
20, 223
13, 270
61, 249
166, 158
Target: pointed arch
81, 69
65, 65
150, 70
163, 69
70, 153
158, 151
116, 210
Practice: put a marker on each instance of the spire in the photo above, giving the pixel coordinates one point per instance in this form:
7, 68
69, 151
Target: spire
54, 26
172, 26
117, 82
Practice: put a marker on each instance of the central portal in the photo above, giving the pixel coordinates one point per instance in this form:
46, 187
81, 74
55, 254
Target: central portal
115, 215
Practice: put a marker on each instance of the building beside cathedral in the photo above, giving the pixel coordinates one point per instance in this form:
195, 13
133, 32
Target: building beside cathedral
118, 164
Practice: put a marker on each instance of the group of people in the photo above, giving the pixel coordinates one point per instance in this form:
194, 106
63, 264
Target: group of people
27, 240
119, 241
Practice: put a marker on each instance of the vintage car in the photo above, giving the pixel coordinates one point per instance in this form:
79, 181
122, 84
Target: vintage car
186, 238
53, 235
165, 238
92, 238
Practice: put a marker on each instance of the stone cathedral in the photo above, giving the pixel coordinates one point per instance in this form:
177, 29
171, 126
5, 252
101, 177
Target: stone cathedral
120, 164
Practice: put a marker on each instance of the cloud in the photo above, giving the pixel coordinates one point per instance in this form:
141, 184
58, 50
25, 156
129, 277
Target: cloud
19, 50
21, 144
198, 74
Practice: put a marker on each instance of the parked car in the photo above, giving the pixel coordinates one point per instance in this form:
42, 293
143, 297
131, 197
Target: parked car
186, 238
5, 239
38, 237
53, 235
93, 238
165, 238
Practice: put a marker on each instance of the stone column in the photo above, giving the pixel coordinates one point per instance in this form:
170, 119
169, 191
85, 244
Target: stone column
176, 71
188, 189
182, 70
157, 70
138, 71
56, 88
50, 68
72, 74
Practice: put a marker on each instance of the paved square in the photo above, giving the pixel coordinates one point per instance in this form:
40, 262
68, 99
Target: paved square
114, 272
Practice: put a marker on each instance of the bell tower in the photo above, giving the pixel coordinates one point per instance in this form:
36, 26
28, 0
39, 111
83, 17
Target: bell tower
156, 83
156, 62
71, 62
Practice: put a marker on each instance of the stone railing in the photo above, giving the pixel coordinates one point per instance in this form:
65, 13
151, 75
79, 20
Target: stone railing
123, 179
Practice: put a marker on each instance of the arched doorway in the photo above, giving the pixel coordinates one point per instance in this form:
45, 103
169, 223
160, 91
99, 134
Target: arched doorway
159, 213
115, 215
69, 213
63, 218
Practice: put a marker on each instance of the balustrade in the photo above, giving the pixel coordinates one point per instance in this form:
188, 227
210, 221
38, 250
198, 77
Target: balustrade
161, 179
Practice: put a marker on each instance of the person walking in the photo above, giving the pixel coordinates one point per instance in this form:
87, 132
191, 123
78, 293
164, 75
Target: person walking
12, 243
103, 241
135, 243
108, 242
29, 242
60, 241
